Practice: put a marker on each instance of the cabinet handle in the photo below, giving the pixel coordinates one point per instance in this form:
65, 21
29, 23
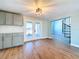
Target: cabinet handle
2, 40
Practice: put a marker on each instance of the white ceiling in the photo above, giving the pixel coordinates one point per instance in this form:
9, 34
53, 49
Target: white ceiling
51, 8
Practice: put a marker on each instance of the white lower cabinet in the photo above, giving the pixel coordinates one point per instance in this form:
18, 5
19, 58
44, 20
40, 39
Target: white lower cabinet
1, 41
18, 39
7, 40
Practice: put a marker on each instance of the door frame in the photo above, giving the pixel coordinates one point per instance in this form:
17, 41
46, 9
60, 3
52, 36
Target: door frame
33, 29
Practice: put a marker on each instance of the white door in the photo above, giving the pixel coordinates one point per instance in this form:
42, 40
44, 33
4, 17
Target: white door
37, 30
32, 31
28, 31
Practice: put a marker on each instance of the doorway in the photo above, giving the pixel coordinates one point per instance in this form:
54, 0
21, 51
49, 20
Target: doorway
32, 30
37, 30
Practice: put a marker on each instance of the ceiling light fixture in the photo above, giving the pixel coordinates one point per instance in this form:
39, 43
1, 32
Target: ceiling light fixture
38, 11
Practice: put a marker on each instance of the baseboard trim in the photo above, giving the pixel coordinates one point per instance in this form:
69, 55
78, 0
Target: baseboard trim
75, 45
43, 38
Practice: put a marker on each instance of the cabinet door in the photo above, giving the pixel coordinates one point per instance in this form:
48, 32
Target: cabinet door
20, 17
18, 20
7, 40
9, 18
18, 39
2, 18
1, 41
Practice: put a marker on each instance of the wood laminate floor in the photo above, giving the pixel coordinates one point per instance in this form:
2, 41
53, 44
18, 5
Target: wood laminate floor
41, 49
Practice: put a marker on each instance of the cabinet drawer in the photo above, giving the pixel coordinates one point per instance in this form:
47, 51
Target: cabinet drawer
18, 39
7, 40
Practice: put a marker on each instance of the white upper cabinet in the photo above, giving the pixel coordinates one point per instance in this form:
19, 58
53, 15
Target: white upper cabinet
18, 19
2, 18
9, 18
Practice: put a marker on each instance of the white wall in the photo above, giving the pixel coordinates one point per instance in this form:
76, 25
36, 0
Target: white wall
45, 28
75, 29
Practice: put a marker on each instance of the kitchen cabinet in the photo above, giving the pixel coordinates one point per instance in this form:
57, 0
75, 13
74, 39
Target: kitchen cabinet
1, 41
9, 19
18, 39
18, 20
2, 18
7, 40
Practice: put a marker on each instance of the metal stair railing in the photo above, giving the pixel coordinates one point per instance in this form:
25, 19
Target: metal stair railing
67, 30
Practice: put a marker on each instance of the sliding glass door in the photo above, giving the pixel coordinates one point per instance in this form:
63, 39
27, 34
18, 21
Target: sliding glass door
57, 27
